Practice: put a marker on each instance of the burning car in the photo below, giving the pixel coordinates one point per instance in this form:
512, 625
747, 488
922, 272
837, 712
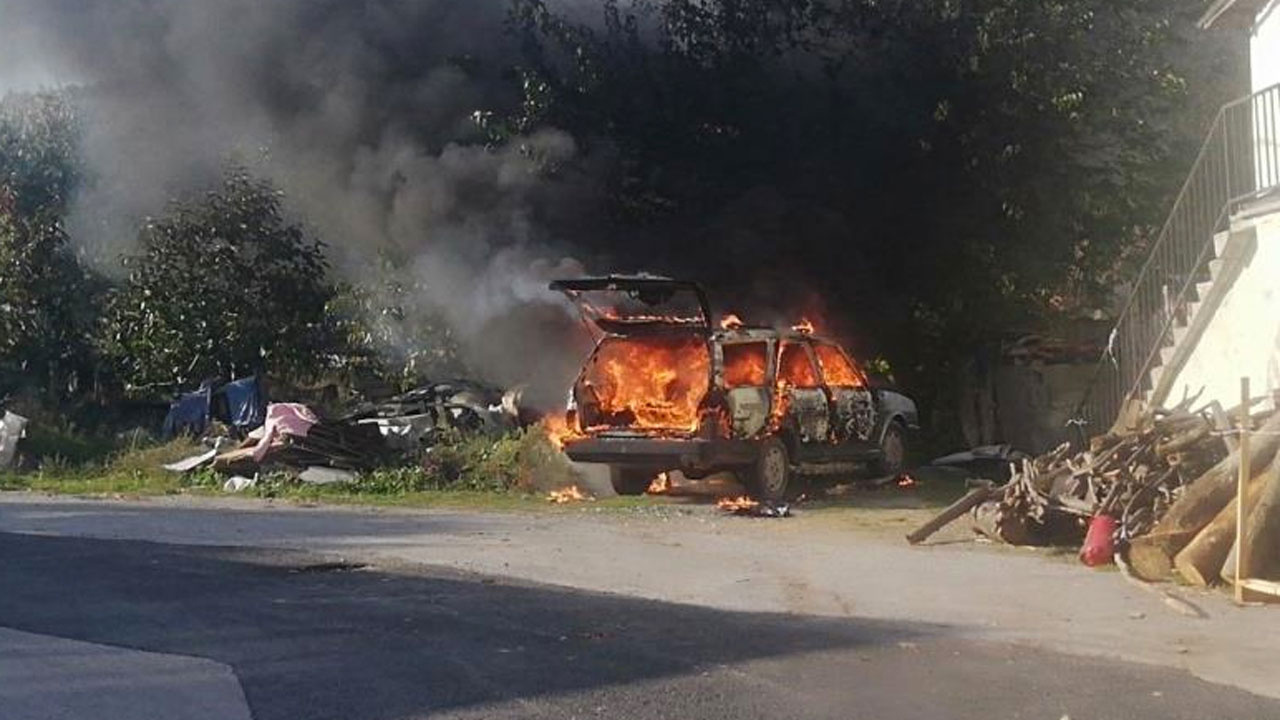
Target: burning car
665, 390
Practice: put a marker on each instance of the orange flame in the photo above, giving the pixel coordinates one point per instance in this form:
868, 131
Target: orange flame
661, 484
906, 481
744, 364
654, 382
836, 368
568, 495
737, 504
804, 326
781, 403
557, 430
730, 321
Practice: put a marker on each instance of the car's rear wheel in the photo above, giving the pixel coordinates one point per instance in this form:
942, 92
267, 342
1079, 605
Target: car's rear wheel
770, 477
630, 480
893, 451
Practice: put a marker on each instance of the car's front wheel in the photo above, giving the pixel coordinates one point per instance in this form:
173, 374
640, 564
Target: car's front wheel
629, 480
769, 478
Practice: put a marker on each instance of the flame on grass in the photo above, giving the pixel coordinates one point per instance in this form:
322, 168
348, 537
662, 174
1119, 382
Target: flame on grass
567, 495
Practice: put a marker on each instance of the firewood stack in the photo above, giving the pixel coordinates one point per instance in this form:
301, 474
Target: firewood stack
1134, 477
1169, 482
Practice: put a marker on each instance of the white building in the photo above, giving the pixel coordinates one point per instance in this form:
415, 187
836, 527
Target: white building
1205, 310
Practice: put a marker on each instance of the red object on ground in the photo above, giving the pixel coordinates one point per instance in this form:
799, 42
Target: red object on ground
1099, 543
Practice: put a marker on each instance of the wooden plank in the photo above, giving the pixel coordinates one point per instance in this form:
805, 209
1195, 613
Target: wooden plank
976, 497
1242, 480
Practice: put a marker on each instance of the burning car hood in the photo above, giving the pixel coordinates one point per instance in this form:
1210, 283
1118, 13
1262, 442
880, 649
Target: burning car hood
633, 304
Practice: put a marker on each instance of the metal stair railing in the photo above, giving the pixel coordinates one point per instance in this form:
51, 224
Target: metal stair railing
1239, 161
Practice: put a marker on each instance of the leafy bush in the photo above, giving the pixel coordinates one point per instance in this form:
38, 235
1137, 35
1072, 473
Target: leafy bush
523, 460
47, 299
223, 287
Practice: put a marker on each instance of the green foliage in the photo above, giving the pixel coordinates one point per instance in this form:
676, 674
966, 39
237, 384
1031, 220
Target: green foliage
469, 463
521, 460
944, 170
54, 443
46, 311
224, 286
39, 143
47, 299
386, 331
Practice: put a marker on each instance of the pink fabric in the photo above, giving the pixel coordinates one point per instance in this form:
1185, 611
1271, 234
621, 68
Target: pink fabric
284, 419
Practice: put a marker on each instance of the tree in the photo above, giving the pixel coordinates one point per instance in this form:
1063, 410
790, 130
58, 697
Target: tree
47, 298
387, 333
941, 171
45, 305
223, 286
39, 151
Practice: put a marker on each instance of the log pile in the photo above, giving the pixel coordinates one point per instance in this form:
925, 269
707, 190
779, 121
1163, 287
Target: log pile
1134, 477
1169, 483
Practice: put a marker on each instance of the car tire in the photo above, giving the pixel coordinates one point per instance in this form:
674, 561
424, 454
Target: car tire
630, 480
893, 451
770, 477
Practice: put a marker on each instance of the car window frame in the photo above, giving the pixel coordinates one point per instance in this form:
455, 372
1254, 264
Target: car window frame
857, 369
807, 344
770, 369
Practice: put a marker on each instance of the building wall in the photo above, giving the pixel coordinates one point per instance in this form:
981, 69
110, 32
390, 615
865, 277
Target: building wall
1243, 336
1264, 49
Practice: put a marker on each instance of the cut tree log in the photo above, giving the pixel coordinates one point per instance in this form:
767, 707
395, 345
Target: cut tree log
1151, 556
1200, 562
975, 497
1261, 531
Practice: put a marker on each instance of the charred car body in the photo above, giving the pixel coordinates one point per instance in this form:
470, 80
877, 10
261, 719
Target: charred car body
665, 390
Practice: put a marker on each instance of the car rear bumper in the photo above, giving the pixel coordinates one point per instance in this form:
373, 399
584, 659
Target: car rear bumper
662, 453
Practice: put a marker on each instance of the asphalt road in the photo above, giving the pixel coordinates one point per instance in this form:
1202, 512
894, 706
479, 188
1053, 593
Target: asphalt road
307, 638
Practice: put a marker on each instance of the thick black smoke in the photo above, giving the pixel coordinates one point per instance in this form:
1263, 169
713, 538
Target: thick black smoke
362, 112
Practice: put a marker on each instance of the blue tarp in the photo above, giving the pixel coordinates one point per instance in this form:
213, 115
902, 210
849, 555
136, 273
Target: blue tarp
246, 403
242, 404
189, 414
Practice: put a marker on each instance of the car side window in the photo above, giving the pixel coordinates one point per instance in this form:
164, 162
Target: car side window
837, 369
795, 367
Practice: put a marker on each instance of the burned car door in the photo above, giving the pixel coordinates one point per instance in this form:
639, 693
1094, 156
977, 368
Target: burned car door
744, 374
805, 400
852, 404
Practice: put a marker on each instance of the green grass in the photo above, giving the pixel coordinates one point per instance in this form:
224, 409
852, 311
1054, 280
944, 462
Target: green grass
135, 471
511, 473
108, 483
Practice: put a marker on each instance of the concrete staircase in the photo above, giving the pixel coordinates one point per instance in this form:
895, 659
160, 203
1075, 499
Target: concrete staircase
1232, 249
1192, 266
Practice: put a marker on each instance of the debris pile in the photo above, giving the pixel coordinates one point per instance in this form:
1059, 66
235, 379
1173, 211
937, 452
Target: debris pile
1162, 494
417, 418
294, 436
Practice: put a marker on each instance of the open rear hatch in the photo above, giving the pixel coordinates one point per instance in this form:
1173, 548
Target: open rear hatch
652, 369
631, 304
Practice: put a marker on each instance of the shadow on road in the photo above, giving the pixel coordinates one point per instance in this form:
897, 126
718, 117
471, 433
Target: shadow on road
309, 639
